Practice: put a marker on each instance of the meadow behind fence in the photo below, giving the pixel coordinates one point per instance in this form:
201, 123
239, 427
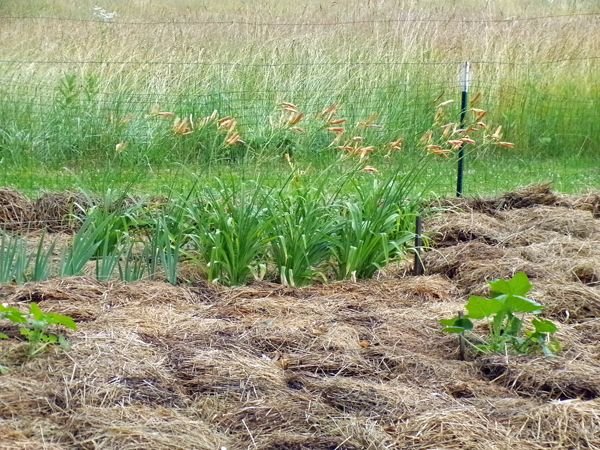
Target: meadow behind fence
97, 97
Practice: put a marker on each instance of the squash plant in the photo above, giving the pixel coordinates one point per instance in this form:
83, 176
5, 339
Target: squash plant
35, 326
505, 309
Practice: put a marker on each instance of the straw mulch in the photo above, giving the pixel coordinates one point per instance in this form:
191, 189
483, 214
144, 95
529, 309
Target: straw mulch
341, 366
15, 210
60, 211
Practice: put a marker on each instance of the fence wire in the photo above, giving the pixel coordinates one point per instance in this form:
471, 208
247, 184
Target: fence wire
557, 131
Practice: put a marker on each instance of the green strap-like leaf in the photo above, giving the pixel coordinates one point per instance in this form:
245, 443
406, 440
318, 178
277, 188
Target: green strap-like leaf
59, 319
12, 314
36, 312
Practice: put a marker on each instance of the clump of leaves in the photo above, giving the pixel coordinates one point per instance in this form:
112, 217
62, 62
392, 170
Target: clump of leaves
505, 310
35, 326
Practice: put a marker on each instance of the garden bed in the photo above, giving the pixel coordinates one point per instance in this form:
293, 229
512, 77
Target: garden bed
337, 366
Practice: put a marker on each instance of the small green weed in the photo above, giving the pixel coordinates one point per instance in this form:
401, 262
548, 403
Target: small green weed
508, 300
35, 327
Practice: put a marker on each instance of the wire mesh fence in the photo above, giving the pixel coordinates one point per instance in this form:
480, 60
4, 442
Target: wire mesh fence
64, 114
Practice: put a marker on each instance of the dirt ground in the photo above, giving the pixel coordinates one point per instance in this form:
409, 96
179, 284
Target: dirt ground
340, 366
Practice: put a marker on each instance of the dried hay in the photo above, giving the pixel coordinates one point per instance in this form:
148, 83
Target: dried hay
135, 427
15, 210
456, 427
559, 378
569, 301
453, 228
550, 244
353, 368
541, 219
346, 365
561, 424
61, 211
589, 202
535, 195
20, 434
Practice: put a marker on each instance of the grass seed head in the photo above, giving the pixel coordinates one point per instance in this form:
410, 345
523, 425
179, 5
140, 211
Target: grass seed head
456, 143
227, 123
369, 122
337, 130
438, 150
479, 114
295, 119
427, 138
182, 127
497, 134
475, 100
328, 113
446, 103
370, 169
290, 107
448, 130
121, 147
233, 139
506, 144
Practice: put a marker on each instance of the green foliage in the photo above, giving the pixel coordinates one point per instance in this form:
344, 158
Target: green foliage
232, 236
13, 259
16, 263
86, 243
42, 263
35, 326
374, 228
301, 227
132, 266
505, 311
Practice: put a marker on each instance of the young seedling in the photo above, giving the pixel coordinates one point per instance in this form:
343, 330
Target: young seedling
35, 325
505, 310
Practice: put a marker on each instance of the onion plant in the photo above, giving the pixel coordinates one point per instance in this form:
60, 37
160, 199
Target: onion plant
94, 231
13, 259
132, 266
43, 260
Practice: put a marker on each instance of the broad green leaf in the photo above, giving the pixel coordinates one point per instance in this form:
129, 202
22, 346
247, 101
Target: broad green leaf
481, 307
517, 285
518, 304
3, 336
456, 325
544, 326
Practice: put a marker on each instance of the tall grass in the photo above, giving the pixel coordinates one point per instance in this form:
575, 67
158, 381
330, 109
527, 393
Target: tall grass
81, 92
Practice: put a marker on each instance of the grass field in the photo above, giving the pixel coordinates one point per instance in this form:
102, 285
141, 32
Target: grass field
90, 100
